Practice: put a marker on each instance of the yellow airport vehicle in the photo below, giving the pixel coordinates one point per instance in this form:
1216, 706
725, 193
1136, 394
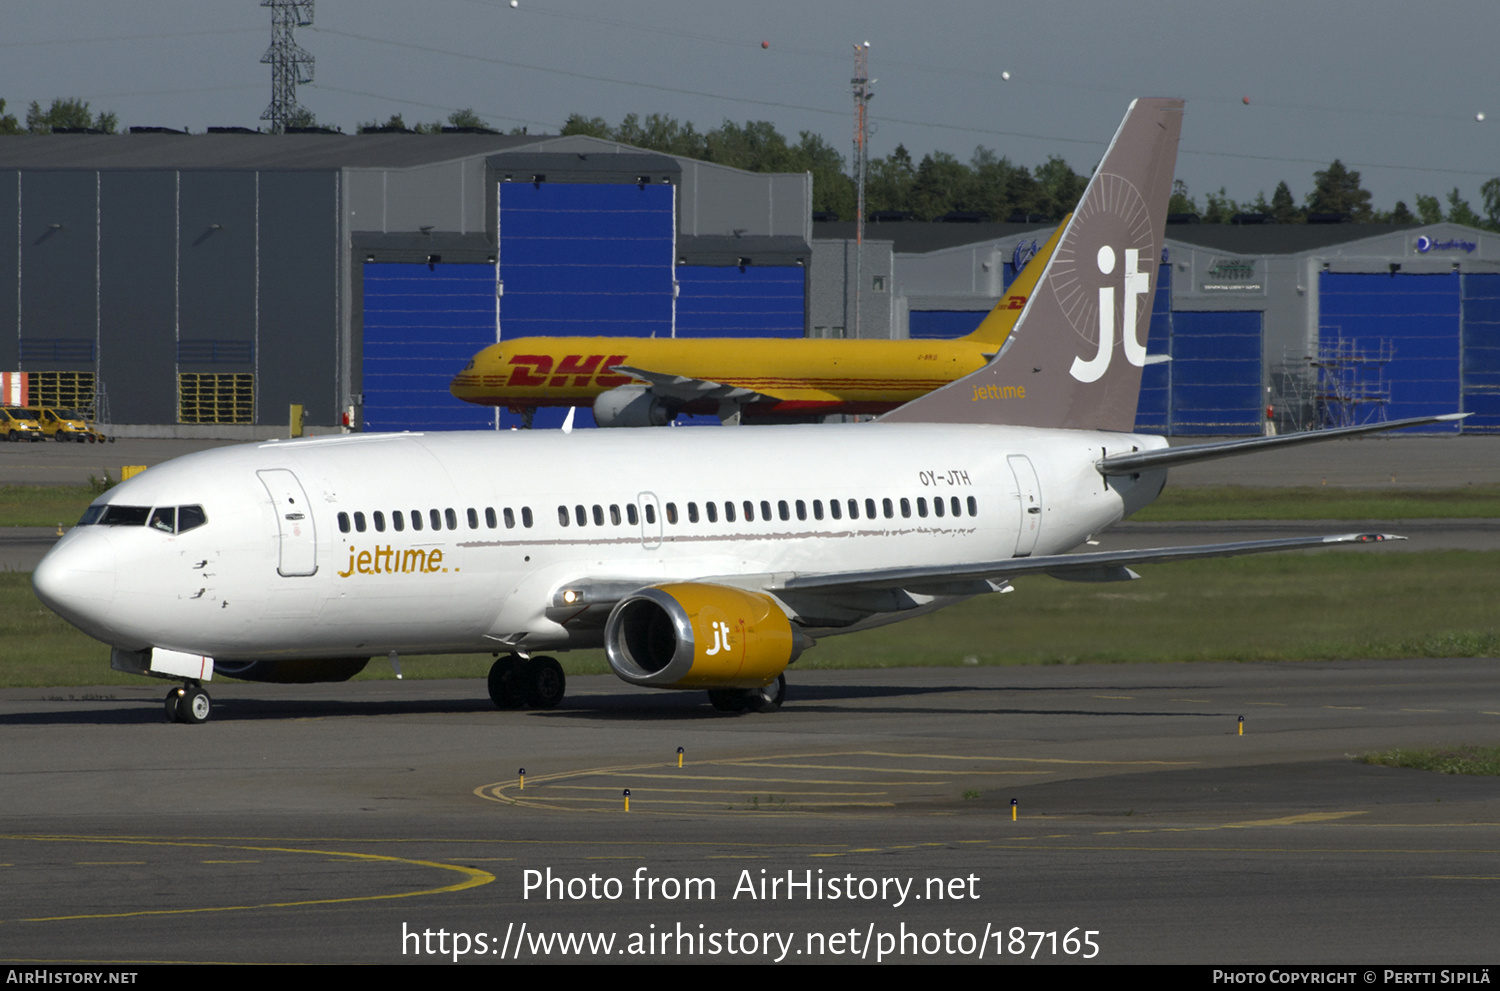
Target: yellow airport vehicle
65, 424
19, 423
638, 382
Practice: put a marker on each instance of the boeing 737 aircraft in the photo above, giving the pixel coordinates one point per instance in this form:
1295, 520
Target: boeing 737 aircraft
648, 381
703, 559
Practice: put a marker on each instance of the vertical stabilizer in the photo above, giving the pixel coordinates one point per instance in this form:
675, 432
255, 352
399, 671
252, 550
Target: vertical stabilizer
1075, 356
997, 325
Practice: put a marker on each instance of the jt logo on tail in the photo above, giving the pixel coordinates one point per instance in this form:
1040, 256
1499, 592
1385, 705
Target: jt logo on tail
1137, 283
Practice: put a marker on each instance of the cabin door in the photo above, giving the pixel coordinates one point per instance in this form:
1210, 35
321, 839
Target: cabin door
1029, 495
294, 519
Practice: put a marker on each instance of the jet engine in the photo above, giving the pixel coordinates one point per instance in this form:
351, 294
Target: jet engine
633, 405
302, 671
699, 636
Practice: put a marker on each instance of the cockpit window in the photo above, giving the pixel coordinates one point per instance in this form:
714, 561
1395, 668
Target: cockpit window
125, 515
189, 517
91, 515
164, 518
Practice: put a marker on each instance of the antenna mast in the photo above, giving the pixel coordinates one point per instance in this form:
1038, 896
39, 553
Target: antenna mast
862, 94
290, 65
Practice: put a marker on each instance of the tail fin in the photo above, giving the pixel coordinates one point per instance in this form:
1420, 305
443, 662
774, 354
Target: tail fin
1075, 356
1000, 321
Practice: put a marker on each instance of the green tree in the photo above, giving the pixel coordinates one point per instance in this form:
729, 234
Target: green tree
1337, 190
71, 112
1284, 207
301, 117
593, 127
1402, 214
1459, 211
1060, 187
1181, 202
1220, 209
888, 185
1490, 191
942, 184
467, 118
1429, 209
8, 122
833, 191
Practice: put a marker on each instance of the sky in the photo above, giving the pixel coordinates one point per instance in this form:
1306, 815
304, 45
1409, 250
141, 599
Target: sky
1390, 87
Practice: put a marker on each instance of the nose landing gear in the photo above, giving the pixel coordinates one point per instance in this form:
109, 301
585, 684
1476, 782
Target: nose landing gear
188, 704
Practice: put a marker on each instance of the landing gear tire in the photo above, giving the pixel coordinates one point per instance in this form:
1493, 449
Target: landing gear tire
173, 697
194, 706
505, 683
544, 682
767, 698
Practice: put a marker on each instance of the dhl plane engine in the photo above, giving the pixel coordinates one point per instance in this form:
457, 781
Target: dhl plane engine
734, 643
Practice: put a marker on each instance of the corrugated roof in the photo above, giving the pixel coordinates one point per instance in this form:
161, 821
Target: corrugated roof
918, 237
249, 151
1277, 239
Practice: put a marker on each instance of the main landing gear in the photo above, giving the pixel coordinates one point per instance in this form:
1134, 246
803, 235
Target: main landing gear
767, 698
188, 704
537, 681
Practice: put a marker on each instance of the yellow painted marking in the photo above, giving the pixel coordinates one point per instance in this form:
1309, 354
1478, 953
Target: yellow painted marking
230, 861
1282, 704
806, 781
1343, 707
636, 792
1464, 877
107, 863
1114, 696
1489, 713
1190, 700
1423, 710
473, 877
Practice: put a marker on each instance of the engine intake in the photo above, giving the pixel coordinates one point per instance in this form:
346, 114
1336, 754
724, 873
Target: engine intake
631, 406
692, 635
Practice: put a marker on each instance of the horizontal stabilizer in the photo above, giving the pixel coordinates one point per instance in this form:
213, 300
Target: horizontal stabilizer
1087, 567
1171, 457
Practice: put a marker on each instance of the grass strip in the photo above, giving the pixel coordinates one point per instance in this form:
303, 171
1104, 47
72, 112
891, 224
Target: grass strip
1283, 607
1463, 759
48, 505
1240, 502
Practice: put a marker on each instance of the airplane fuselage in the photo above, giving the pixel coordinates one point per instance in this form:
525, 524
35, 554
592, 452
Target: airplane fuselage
806, 376
365, 544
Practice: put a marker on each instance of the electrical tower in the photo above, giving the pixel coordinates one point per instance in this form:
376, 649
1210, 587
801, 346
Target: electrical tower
862, 94
290, 65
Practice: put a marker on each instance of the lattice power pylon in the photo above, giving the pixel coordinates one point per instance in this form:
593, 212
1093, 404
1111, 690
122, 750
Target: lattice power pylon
290, 65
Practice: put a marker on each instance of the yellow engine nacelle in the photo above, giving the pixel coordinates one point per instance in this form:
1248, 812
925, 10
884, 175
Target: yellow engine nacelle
699, 636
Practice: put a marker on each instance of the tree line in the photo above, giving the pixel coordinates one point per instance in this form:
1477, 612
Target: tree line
988, 185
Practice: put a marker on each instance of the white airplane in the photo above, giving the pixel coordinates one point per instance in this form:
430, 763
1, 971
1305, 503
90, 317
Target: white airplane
703, 559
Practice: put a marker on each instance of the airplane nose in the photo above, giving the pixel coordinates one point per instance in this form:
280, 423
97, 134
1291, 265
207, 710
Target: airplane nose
76, 579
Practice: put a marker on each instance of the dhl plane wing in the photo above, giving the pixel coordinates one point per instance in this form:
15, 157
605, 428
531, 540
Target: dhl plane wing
637, 382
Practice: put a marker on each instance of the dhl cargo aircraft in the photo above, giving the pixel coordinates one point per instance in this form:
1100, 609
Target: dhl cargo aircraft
648, 381
699, 559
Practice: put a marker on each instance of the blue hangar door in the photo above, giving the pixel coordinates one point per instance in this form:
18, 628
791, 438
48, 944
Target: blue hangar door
1418, 317
421, 326
746, 301
584, 260
1481, 353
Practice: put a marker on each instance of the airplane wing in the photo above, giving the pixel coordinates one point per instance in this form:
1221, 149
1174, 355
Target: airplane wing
969, 579
1130, 464
686, 389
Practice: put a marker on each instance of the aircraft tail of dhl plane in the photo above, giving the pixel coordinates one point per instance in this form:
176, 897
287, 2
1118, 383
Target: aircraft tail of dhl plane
648, 381
703, 559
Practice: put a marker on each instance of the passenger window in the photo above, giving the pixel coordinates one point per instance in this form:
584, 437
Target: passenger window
712, 511
728, 512
343, 522
854, 509
922, 507
598, 515
630, 514
650, 513
870, 509
817, 509
957, 509
398, 520
190, 517
765, 510
905, 508
614, 514
562, 515
526, 517
834, 509
749, 508
489, 517
973, 506
692, 512
510, 519
672, 512
581, 515
164, 519
359, 522
801, 510
436, 518
379, 519
890, 512
937, 505
782, 510
452, 518
474, 519
416, 519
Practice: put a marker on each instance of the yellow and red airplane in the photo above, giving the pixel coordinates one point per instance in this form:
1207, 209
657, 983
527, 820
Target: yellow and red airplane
638, 381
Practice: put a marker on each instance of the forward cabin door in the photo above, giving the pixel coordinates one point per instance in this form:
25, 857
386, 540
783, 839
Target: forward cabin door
1029, 494
299, 541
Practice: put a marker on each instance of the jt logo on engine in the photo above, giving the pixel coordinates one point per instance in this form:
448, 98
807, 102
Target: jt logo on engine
721, 638
1137, 283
